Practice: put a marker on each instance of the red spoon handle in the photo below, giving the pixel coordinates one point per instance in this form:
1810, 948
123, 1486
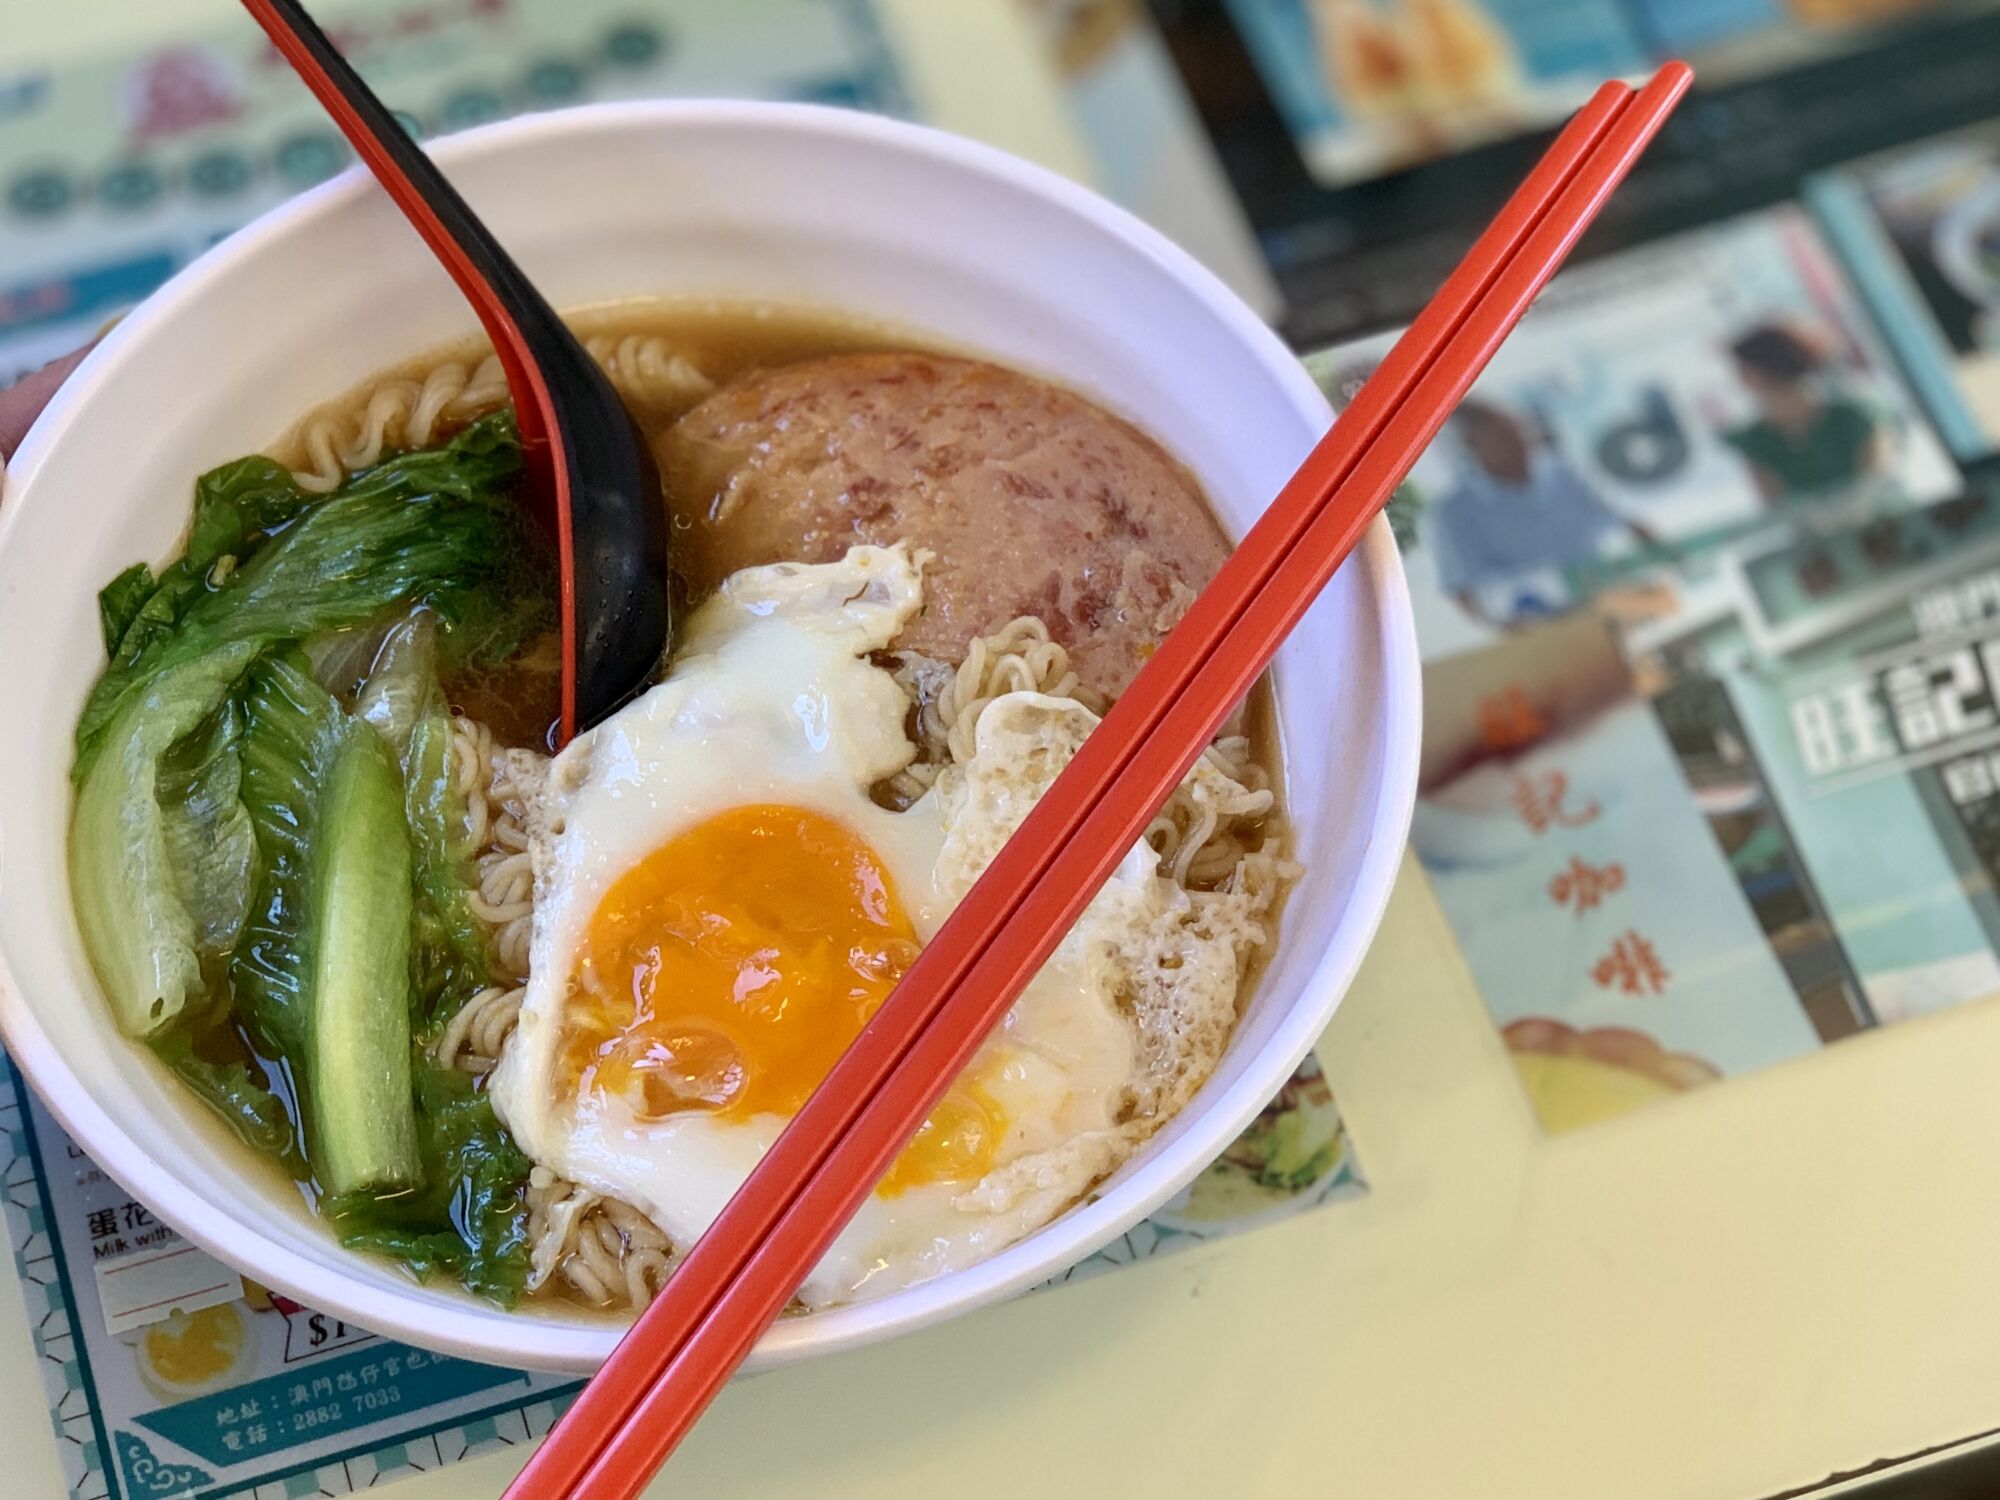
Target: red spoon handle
590, 467
506, 301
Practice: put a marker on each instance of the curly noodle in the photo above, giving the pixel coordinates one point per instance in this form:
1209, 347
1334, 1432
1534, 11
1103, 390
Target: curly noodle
606, 1252
1201, 842
503, 899
403, 412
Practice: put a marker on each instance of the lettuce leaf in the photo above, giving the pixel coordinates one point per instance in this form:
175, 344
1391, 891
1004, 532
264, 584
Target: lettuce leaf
451, 958
322, 972
209, 838
450, 955
143, 941
471, 1221
401, 687
119, 603
236, 507
431, 525
203, 758
294, 732
257, 1115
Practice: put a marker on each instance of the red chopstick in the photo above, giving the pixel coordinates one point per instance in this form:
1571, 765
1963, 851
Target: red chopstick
1245, 573
738, 1278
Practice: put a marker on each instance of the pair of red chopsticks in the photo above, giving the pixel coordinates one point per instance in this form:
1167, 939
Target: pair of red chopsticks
735, 1282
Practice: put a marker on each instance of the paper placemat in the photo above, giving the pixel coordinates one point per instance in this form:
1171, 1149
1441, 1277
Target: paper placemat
248, 1393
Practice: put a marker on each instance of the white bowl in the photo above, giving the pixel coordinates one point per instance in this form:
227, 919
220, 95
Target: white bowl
787, 203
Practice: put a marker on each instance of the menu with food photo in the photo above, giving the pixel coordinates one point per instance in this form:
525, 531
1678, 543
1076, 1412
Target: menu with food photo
1731, 39
1615, 949
1921, 228
1657, 410
1369, 87
1703, 600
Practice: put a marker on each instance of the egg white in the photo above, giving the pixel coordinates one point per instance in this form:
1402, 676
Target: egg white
771, 700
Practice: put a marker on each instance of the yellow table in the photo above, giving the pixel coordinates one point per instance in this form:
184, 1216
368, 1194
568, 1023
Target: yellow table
1732, 1294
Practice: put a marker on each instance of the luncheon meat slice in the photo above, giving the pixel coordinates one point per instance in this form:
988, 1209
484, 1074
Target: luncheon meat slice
1031, 499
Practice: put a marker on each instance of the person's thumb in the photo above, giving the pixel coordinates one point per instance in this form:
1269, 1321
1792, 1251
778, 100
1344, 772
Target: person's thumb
22, 402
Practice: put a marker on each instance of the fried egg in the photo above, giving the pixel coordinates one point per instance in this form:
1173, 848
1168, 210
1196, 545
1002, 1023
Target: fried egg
720, 904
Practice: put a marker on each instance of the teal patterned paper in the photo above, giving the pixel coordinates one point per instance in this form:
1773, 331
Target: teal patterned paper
120, 167
146, 1474
72, 1408
312, 1407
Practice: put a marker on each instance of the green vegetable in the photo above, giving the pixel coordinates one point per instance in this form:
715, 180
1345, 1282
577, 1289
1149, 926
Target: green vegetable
341, 659
322, 969
235, 507
475, 465
493, 612
471, 1221
449, 952
119, 603
209, 838
236, 502
471, 1218
250, 1109
143, 941
432, 525
293, 734
243, 849
364, 1132
402, 684
494, 622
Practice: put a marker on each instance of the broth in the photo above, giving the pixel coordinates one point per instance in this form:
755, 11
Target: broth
518, 698
725, 340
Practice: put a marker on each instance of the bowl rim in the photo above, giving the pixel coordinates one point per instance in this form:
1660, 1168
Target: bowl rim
487, 1334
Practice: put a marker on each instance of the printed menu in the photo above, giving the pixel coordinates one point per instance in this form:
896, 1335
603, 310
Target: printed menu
1707, 609
116, 170
1367, 88
168, 1375
1920, 227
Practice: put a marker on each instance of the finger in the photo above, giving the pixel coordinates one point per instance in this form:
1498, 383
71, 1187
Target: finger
21, 403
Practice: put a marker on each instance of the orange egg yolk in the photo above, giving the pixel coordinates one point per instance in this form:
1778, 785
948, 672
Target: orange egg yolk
729, 969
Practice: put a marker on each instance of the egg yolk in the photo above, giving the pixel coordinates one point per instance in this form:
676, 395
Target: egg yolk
729, 969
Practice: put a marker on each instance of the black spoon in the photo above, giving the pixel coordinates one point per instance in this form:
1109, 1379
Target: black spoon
589, 461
